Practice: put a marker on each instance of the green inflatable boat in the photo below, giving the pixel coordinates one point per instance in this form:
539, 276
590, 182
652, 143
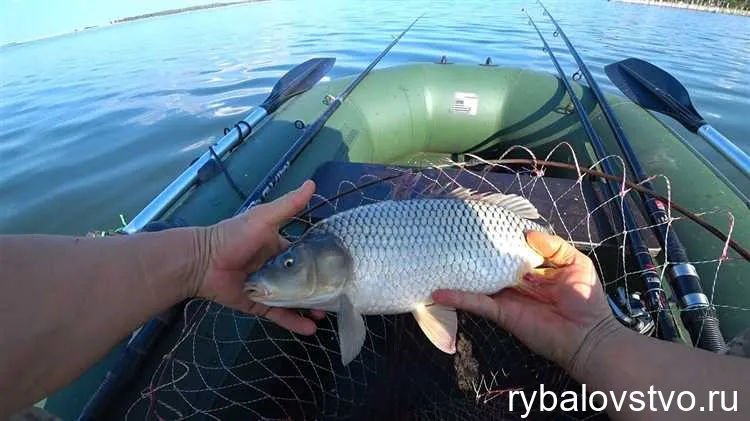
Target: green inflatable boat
406, 118
429, 113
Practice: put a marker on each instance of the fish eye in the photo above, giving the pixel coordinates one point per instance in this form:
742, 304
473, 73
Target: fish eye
288, 262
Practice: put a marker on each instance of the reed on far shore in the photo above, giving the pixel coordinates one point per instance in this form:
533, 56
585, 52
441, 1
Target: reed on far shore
731, 7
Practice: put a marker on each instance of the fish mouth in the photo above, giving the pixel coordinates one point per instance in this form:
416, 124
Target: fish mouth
256, 291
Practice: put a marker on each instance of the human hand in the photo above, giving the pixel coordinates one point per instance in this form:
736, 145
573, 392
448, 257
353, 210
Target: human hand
554, 311
235, 247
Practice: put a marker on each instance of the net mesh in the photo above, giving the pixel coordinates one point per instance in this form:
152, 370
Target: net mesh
223, 364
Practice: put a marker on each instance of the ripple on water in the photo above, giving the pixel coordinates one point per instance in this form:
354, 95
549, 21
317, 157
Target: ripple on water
94, 124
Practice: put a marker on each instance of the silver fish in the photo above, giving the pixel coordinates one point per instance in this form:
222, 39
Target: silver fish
388, 257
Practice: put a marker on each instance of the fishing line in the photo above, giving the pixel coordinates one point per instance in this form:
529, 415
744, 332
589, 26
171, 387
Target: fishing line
742, 251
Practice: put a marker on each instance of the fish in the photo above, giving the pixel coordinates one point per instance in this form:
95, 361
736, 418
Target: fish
389, 257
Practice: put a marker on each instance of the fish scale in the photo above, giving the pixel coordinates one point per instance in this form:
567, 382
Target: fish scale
404, 250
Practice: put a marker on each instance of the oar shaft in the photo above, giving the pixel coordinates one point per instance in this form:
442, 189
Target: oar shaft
726, 147
297, 80
187, 179
655, 298
269, 181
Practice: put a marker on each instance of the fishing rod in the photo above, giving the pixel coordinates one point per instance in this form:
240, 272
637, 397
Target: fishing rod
655, 298
296, 81
269, 181
697, 314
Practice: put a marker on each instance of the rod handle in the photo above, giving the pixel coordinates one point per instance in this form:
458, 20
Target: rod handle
703, 326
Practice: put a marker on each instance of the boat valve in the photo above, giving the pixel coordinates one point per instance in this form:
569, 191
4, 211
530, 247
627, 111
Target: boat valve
328, 99
631, 312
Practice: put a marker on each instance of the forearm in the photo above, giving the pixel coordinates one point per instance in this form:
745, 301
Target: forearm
624, 361
86, 294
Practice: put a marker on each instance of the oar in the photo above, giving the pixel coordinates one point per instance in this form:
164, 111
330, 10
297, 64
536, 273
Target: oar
653, 88
296, 81
285, 161
655, 298
697, 314
301, 78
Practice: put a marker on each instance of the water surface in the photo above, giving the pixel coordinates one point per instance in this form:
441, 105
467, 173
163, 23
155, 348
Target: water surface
94, 124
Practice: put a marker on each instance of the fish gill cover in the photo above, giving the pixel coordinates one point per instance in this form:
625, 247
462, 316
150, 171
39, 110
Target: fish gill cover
221, 364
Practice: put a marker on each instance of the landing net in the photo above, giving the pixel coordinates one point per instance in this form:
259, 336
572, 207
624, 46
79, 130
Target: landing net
221, 364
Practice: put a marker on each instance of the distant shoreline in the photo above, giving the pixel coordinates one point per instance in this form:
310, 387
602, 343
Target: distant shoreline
690, 6
182, 10
135, 18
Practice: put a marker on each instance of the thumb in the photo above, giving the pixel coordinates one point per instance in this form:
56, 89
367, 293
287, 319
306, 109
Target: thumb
554, 249
287, 206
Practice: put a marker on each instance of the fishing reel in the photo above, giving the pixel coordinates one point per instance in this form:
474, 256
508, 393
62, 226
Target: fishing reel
631, 312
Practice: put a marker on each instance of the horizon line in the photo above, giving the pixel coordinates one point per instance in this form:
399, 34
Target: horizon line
129, 19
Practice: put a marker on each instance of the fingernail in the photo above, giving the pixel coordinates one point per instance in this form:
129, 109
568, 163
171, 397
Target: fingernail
310, 329
302, 186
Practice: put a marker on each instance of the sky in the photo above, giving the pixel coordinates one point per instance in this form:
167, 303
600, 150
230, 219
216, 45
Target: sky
22, 20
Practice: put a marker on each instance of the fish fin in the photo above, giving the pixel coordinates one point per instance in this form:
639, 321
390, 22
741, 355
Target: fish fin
352, 330
439, 324
512, 202
405, 187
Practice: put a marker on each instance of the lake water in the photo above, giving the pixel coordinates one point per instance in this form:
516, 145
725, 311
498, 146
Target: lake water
94, 124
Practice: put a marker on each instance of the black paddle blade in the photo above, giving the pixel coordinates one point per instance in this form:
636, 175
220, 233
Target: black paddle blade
301, 78
654, 89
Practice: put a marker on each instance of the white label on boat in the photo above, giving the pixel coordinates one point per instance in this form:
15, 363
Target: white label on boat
465, 103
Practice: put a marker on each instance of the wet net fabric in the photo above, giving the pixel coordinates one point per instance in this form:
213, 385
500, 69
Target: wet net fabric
221, 364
